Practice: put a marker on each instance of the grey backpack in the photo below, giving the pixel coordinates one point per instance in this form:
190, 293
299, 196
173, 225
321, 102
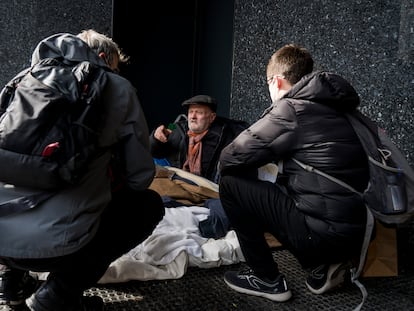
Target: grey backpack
389, 196
50, 119
49, 123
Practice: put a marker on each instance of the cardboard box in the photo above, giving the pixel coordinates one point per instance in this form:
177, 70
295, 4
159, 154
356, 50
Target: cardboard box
382, 256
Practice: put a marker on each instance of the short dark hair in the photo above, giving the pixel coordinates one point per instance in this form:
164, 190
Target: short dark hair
292, 61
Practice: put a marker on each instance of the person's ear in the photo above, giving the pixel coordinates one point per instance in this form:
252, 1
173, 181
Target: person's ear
279, 82
213, 116
102, 55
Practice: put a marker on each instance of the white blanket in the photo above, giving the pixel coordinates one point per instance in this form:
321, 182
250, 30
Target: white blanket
174, 245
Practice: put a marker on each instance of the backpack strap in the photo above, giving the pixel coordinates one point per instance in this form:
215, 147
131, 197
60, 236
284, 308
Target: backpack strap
311, 169
356, 272
180, 117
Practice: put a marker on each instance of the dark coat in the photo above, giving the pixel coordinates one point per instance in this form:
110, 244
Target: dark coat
221, 132
308, 123
70, 218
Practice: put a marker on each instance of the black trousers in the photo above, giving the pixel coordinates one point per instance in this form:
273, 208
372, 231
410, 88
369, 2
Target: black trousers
254, 207
128, 220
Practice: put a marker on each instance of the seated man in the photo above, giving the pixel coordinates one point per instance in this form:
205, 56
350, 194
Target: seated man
195, 144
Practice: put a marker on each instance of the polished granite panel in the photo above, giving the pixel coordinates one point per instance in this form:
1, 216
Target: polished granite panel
24, 23
370, 43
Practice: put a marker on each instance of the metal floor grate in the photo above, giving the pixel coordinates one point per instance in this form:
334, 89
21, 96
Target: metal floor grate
204, 290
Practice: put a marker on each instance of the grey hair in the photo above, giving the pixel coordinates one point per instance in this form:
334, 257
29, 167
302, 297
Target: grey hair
102, 43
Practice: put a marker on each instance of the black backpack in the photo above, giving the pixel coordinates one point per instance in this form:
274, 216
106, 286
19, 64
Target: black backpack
389, 196
50, 115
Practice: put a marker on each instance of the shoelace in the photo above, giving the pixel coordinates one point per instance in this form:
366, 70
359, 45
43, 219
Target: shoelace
246, 271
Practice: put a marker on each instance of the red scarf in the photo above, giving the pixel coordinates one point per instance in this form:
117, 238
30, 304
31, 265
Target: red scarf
193, 162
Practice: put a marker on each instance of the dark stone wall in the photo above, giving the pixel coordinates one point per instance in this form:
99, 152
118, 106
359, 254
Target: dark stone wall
24, 23
369, 42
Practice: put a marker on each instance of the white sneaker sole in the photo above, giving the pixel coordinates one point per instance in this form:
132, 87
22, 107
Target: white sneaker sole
332, 281
274, 297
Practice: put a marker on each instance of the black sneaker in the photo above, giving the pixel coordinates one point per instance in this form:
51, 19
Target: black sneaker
45, 299
326, 277
16, 286
246, 282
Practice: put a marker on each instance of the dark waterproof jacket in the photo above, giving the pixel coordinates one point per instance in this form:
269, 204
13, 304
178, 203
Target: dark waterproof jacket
308, 123
70, 218
221, 132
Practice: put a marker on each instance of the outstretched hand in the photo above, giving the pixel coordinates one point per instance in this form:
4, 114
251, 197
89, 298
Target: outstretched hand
161, 133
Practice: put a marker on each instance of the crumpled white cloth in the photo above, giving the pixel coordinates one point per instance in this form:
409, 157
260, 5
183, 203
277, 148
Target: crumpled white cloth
174, 245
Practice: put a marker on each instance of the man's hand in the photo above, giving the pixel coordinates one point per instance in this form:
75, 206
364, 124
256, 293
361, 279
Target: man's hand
162, 133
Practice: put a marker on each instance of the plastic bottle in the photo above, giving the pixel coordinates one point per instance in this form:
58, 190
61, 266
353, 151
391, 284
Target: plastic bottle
396, 195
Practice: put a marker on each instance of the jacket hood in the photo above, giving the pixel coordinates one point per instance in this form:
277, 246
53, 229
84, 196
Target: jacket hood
68, 47
326, 88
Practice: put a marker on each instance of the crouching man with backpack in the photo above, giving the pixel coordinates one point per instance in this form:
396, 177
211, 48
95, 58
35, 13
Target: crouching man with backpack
78, 230
319, 221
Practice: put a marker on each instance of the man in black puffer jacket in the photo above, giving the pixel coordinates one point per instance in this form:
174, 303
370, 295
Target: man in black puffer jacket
215, 133
320, 222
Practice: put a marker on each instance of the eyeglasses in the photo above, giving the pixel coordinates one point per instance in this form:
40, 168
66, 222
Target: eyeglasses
271, 78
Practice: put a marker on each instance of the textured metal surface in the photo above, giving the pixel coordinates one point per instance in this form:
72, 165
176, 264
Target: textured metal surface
205, 290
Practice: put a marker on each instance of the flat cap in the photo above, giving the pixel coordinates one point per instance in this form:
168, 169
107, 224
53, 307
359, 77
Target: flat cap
201, 100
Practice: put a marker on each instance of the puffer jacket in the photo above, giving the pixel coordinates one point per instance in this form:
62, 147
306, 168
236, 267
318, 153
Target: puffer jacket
221, 132
69, 219
308, 123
